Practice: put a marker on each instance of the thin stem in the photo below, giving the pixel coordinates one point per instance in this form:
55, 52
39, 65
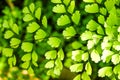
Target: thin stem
10, 3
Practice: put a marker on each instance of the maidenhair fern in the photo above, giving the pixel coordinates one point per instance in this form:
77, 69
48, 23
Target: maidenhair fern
82, 37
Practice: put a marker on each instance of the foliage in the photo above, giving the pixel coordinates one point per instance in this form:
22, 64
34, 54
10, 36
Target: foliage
46, 38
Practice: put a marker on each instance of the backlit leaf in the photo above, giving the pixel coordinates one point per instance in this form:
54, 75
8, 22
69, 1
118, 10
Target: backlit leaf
86, 35
54, 42
101, 19
59, 8
27, 46
15, 28
116, 69
26, 57
10, 61
32, 27
90, 44
69, 32
58, 64
115, 59
8, 34
76, 67
93, 8
38, 13
49, 64
57, 71
44, 21
109, 4
14, 42
34, 56
103, 11
66, 2
30, 70
60, 54
76, 17
51, 54
28, 17
95, 56
8, 52
88, 68
78, 77
25, 65
32, 7
85, 76
56, 1
100, 30
85, 56
25, 10
71, 7
89, 1
76, 45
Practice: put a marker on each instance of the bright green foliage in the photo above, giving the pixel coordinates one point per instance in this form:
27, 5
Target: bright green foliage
30, 70
63, 20
26, 57
51, 54
88, 68
34, 56
8, 52
69, 32
66, 2
76, 67
101, 19
77, 55
27, 46
85, 56
103, 11
49, 64
105, 71
26, 10
78, 77
93, 8
115, 59
76, 17
109, 4
25, 65
54, 42
59, 8
71, 7
90, 44
76, 45
85, 76
8, 34
56, 1
86, 35
32, 7
27, 17
89, 1
12, 61
38, 13
15, 28
60, 54
32, 27
40, 35
14, 42
100, 30
44, 21
92, 25
58, 64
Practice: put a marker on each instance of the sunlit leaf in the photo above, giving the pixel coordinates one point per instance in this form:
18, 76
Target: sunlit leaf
90, 44
58, 64
95, 56
25, 10
8, 34
54, 42
57, 71
38, 13
85, 76
71, 7
116, 45
30, 70
60, 54
85, 56
34, 56
69, 32
49, 64
100, 30
86, 35
63, 20
25, 65
103, 11
8, 52
109, 4
27, 46
93, 8
15, 28
32, 7
76, 17
59, 8
66, 2
26, 57
56, 1
76, 45
28, 17
32, 27
51, 54
35, 63
76, 67
14, 42
10, 61
44, 21
105, 71
116, 69
115, 59
88, 68
78, 77
89, 1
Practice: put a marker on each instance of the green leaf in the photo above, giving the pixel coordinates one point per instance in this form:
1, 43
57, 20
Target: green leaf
26, 57
105, 71
76, 45
38, 13
49, 64
8, 34
5, 24
30, 70
101, 19
10, 61
109, 4
100, 30
106, 45
32, 27
51, 54
56, 1
57, 71
115, 59
66, 2
35, 63
14, 60
86, 35
59, 8
14, 42
88, 68
76, 17
89, 1
69, 32
103, 11
59, 64
15, 28
8, 52
25, 10
54, 42
32, 7
78, 77
99, 1
95, 56
90, 44
92, 25
34, 56
40, 35
77, 55
116, 69
93, 8
44, 21
116, 45
28, 18
118, 29
25, 65
71, 7
118, 38
60, 54
85, 76
106, 55
63, 20
27, 46
85, 56
76, 67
